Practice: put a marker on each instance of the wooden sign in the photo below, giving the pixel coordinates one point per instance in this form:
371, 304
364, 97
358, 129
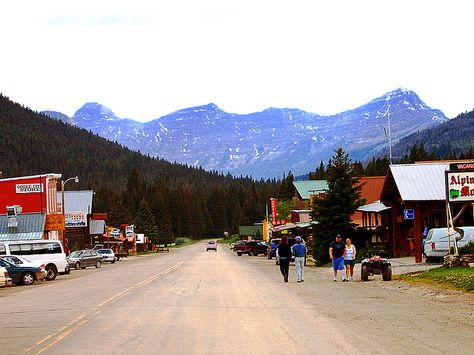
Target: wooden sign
54, 222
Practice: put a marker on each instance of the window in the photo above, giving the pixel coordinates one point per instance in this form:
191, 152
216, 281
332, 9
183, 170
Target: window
3, 250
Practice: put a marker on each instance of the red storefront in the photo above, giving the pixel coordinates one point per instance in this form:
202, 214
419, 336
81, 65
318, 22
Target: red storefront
34, 194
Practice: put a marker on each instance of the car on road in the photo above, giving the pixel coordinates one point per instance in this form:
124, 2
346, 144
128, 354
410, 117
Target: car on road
107, 255
23, 275
211, 245
251, 247
5, 279
80, 259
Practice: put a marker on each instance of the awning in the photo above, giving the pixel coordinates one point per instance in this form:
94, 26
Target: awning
21, 236
305, 224
374, 207
283, 227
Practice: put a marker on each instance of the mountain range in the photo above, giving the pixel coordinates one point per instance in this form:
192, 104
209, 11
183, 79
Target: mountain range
262, 144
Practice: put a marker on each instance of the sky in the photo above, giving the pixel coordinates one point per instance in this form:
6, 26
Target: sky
145, 59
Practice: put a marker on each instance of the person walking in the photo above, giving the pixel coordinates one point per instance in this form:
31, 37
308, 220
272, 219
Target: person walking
349, 258
284, 255
336, 253
299, 250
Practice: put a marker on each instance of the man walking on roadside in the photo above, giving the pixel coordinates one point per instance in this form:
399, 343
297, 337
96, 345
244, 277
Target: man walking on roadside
336, 253
299, 250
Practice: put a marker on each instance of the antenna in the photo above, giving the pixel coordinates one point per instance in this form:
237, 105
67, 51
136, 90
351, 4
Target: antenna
388, 132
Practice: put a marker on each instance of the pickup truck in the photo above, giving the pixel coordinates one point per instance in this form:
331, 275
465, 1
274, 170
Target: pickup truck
250, 247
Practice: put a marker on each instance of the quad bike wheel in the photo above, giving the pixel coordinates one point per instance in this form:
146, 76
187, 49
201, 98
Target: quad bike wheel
387, 275
364, 275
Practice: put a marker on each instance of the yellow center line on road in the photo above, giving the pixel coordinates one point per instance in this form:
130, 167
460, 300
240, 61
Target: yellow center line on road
76, 323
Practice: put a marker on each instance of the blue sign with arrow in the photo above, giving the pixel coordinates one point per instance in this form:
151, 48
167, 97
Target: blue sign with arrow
409, 214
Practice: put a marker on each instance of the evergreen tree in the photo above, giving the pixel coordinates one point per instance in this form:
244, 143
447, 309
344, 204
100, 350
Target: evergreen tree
333, 210
286, 191
144, 222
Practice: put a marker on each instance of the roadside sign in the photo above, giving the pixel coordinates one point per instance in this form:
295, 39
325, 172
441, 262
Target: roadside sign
409, 214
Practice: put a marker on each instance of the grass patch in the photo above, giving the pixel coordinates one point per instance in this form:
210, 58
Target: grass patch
231, 239
183, 241
460, 278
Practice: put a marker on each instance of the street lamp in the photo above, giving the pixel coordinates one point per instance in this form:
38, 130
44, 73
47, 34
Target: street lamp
63, 182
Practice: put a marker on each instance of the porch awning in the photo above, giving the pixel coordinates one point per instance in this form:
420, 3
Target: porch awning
21, 236
374, 207
283, 227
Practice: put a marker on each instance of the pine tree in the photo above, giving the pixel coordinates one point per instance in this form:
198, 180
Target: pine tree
144, 222
333, 210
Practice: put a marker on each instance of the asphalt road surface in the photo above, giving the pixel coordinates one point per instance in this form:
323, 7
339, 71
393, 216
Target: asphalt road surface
190, 301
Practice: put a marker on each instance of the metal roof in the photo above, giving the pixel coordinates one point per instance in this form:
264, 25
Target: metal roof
77, 201
310, 187
96, 226
420, 182
375, 207
30, 226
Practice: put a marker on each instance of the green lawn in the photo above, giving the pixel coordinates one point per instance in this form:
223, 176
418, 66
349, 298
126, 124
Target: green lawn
461, 278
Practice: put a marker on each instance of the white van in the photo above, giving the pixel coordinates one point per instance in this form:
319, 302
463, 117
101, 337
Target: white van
436, 243
48, 252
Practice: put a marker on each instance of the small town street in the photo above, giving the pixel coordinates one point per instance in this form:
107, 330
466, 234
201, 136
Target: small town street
190, 301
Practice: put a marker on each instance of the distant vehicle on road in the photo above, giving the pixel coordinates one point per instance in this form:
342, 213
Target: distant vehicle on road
107, 255
80, 259
23, 275
211, 245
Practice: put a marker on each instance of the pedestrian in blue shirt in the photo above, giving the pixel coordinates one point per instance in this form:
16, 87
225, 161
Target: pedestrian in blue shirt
336, 253
299, 251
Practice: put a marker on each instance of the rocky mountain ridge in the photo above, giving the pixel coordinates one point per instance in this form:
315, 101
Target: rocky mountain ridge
263, 144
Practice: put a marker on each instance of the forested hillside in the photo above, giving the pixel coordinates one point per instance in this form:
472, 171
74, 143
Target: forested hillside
168, 200
452, 139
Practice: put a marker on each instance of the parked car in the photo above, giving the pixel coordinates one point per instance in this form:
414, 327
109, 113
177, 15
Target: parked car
436, 243
272, 247
22, 261
80, 259
23, 275
49, 252
250, 247
211, 245
107, 255
5, 279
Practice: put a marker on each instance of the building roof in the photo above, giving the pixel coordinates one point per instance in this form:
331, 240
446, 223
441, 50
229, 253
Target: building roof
310, 187
97, 226
371, 188
420, 182
30, 226
375, 207
77, 201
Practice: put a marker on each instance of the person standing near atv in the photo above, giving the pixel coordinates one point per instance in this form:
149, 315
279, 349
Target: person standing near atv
349, 258
284, 253
337, 250
299, 250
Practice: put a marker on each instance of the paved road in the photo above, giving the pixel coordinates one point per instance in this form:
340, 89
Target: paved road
195, 302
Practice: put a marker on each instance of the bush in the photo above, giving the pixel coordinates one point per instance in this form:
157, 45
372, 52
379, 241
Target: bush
182, 240
230, 239
467, 249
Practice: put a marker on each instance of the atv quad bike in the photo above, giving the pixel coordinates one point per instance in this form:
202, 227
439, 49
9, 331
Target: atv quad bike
376, 265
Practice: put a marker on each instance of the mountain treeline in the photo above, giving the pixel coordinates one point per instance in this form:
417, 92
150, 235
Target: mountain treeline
168, 200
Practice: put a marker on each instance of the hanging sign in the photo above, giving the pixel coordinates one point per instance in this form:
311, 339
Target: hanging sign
460, 183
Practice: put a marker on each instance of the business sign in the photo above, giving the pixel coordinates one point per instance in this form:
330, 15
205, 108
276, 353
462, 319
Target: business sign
409, 214
460, 185
75, 219
54, 222
28, 188
273, 206
140, 238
